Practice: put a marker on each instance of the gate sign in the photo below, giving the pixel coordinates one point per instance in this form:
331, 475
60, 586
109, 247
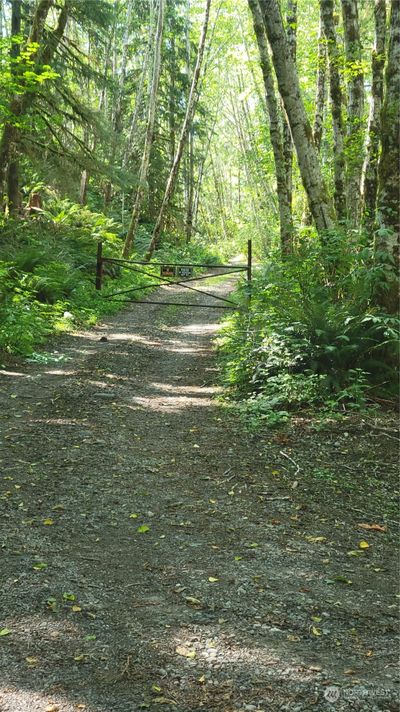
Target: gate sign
168, 271
185, 271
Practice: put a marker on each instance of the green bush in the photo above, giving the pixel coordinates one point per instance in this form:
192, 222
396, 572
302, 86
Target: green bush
311, 336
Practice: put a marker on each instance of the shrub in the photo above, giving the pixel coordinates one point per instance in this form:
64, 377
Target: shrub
311, 335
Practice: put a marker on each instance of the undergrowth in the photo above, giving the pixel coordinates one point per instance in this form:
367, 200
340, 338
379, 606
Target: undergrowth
311, 338
47, 273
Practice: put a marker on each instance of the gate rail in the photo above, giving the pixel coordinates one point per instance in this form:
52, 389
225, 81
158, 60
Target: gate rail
172, 267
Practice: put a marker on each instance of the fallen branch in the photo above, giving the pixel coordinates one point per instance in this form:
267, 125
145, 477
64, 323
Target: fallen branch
298, 468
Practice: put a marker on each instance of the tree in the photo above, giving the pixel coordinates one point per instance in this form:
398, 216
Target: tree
369, 183
388, 227
355, 110
289, 88
275, 131
22, 100
336, 101
144, 167
190, 109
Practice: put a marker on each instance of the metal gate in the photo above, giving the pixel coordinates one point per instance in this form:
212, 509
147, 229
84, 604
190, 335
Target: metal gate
172, 274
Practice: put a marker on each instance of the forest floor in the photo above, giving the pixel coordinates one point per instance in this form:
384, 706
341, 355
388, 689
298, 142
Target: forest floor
156, 555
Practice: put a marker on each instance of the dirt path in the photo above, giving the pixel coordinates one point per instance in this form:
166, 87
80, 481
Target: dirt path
156, 556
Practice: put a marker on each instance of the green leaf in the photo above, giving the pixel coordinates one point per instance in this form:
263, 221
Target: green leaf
40, 566
144, 528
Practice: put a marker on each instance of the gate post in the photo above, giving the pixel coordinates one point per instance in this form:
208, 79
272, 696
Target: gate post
99, 265
249, 270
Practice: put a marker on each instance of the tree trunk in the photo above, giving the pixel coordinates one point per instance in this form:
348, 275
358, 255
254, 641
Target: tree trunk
388, 232
199, 182
285, 211
14, 200
190, 109
133, 129
171, 104
354, 144
289, 88
83, 187
320, 92
320, 99
369, 183
118, 101
291, 33
189, 188
144, 168
336, 100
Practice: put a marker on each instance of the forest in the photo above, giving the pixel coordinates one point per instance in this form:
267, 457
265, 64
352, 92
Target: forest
231, 476
188, 128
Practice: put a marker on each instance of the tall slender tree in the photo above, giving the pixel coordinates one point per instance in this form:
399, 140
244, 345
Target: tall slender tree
190, 109
388, 219
288, 148
144, 167
289, 88
275, 131
355, 110
336, 102
369, 183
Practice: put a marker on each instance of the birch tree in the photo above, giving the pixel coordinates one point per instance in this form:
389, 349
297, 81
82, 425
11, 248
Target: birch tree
190, 110
144, 167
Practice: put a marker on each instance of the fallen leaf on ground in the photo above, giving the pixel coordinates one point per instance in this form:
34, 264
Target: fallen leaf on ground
144, 528
48, 522
31, 660
373, 527
315, 539
212, 579
185, 652
363, 545
5, 631
193, 601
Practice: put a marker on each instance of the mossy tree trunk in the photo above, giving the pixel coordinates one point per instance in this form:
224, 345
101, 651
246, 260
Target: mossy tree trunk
369, 186
289, 88
275, 131
354, 142
388, 227
336, 101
